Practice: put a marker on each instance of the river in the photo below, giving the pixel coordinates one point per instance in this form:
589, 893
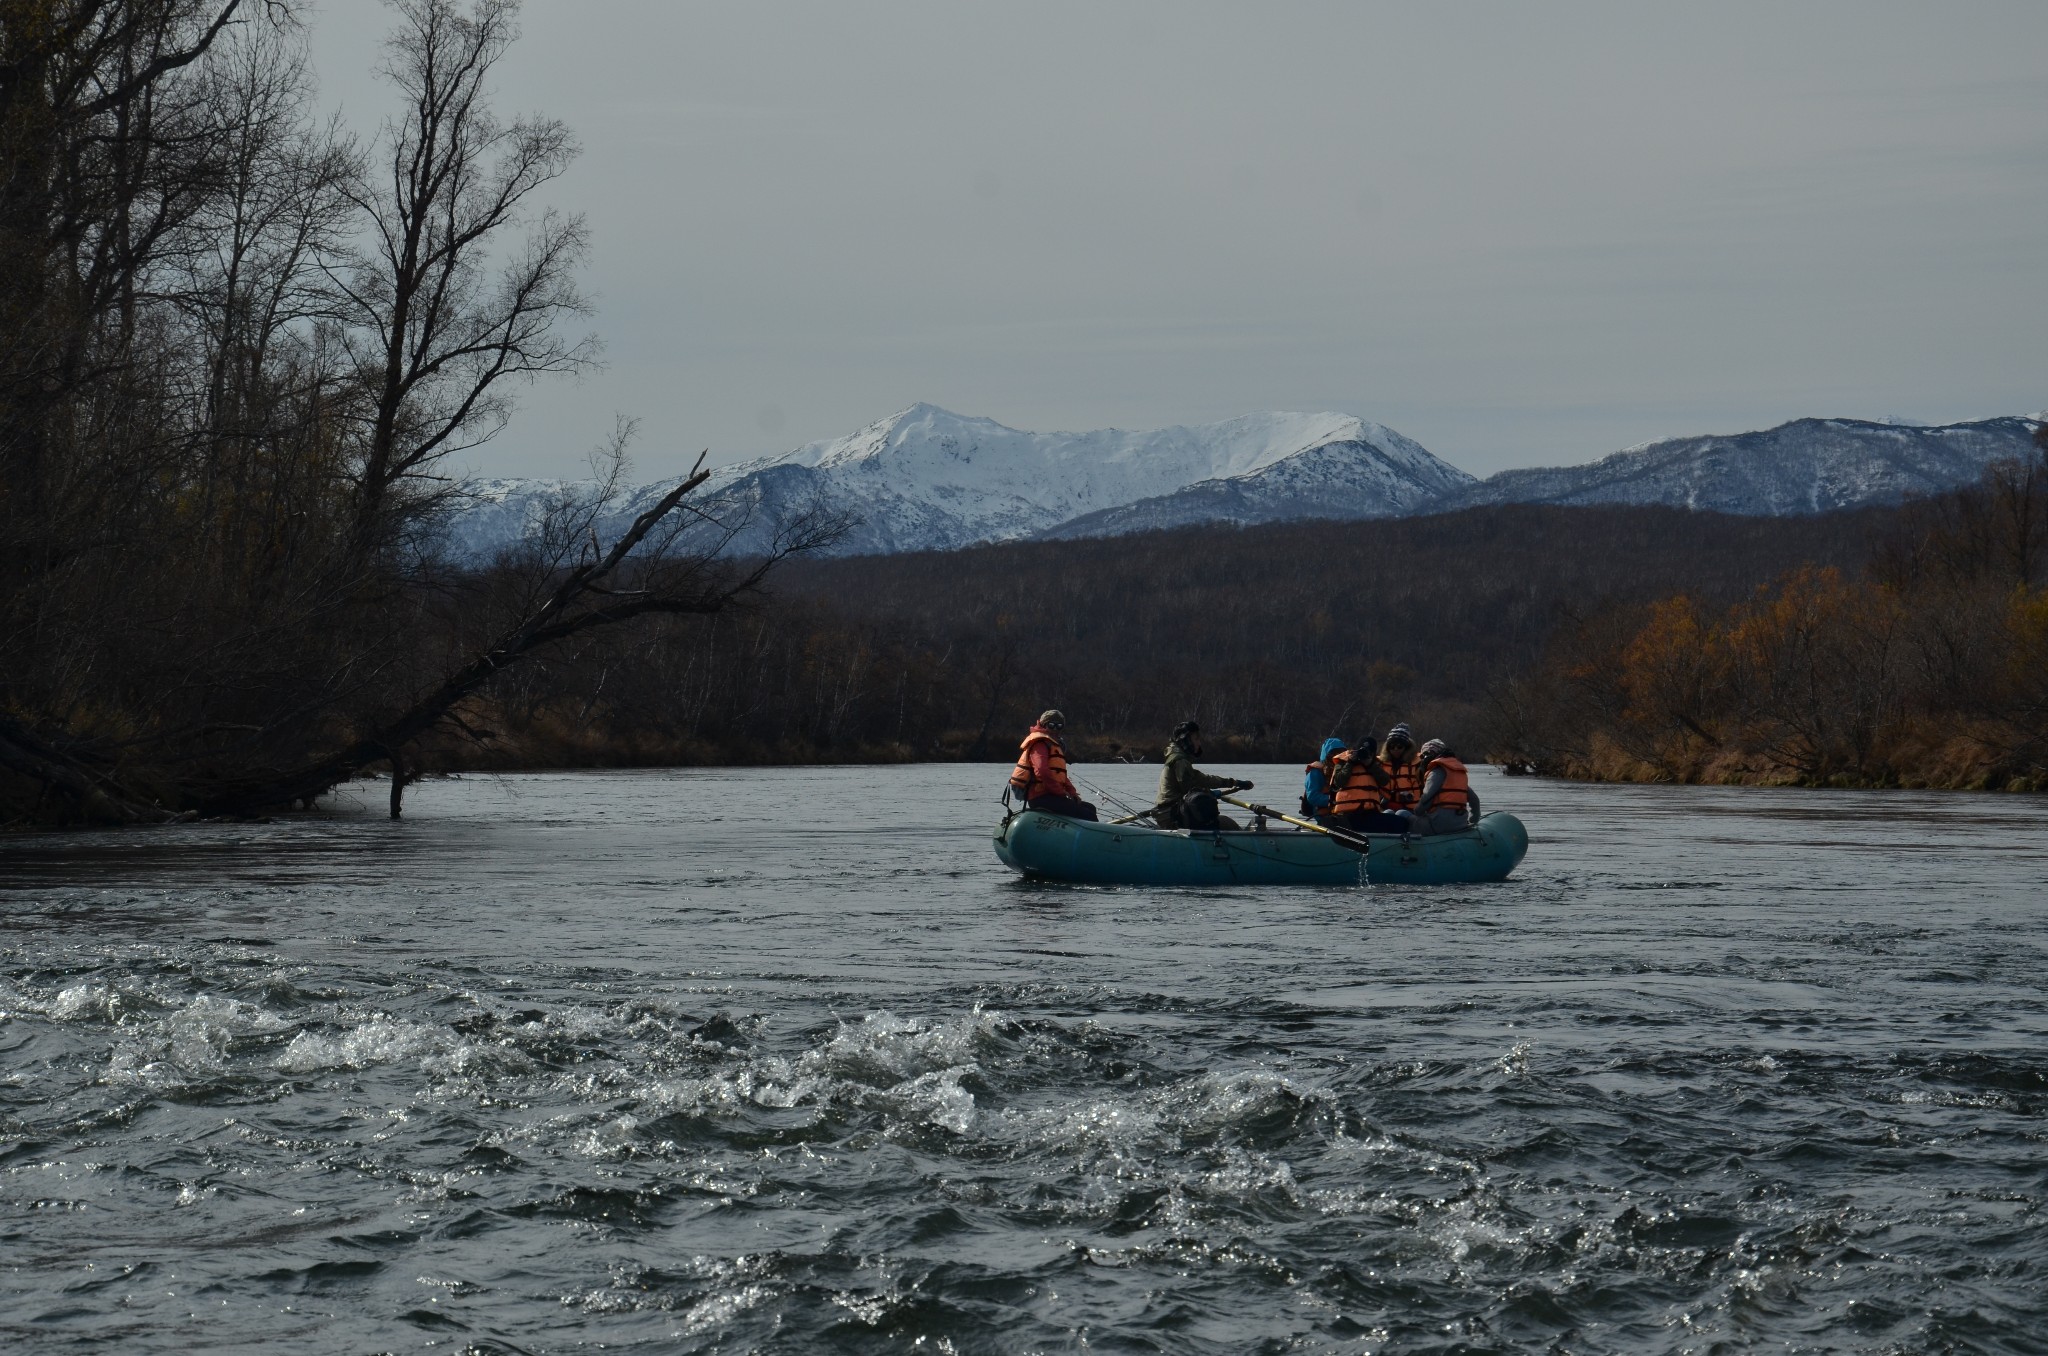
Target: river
784, 1061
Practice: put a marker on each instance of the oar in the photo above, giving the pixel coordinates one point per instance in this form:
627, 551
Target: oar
1145, 814
1351, 841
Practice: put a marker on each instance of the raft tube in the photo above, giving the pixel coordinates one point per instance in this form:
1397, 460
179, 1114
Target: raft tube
1077, 851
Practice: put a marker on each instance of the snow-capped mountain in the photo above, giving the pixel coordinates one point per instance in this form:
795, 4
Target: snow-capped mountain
1376, 474
928, 479
496, 512
1806, 466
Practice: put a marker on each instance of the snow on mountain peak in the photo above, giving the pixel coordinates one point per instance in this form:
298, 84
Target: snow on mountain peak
940, 439
928, 478
1805, 466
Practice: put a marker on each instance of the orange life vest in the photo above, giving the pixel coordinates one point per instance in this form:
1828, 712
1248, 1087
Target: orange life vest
1354, 788
1404, 783
1456, 792
1022, 777
1328, 767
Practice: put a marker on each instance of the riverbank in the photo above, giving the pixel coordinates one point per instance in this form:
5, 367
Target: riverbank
563, 741
1965, 763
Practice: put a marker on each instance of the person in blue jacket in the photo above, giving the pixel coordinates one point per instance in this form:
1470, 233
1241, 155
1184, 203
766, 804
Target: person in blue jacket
1315, 781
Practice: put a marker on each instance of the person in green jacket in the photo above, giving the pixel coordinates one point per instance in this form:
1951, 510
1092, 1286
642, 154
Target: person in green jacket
1187, 795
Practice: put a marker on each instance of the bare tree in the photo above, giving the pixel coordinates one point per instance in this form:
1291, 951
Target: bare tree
462, 284
100, 162
279, 213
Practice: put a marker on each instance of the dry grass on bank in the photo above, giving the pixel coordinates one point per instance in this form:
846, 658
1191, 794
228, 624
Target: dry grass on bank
1969, 761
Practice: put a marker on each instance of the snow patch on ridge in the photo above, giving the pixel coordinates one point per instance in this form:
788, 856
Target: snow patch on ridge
929, 479
1805, 466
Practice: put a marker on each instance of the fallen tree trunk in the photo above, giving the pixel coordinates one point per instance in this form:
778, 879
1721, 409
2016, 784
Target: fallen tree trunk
92, 787
589, 595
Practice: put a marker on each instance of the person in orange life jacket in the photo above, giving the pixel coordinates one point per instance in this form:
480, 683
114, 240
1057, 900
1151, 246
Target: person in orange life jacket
1448, 804
1315, 779
1040, 777
1187, 795
1399, 770
1359, 794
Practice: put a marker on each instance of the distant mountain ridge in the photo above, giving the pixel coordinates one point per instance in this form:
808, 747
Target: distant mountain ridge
927, 479
1379, 474
1805, 466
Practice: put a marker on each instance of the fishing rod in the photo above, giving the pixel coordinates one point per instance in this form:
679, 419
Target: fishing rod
1118, 801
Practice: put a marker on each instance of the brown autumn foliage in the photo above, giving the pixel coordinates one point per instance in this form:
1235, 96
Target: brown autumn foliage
1929, 667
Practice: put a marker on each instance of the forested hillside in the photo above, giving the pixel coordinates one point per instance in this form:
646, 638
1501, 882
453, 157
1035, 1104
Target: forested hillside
1273, 636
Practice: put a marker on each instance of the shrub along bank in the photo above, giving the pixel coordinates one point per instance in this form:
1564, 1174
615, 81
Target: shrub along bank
1926, 668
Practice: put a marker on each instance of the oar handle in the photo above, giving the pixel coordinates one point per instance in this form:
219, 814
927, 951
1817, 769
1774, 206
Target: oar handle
1266, 810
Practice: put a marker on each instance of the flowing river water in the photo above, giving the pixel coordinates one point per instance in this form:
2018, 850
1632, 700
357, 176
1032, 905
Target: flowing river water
784, 1061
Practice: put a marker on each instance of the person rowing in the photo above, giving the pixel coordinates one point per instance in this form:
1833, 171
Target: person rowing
1187, 795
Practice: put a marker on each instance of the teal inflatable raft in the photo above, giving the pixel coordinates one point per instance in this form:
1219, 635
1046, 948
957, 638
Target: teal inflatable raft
1048, 847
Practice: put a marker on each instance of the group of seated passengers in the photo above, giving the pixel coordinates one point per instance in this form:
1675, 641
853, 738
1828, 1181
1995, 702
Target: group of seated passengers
1392, 787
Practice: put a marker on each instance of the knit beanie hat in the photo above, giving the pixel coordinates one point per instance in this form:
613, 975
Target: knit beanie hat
1399, 734
1052, 719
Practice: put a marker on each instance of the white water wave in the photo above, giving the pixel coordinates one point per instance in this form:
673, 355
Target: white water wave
380, 1040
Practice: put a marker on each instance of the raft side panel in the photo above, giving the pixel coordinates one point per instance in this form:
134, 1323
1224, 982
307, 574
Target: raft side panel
1050, 847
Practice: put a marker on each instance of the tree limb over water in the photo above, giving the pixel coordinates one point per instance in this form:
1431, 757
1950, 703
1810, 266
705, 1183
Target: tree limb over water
696, 584
237, 347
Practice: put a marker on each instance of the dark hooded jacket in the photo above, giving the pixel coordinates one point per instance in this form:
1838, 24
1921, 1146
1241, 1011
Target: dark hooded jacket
1180, 775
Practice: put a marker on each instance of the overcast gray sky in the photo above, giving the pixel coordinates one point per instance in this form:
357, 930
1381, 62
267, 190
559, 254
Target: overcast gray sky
1520, 234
